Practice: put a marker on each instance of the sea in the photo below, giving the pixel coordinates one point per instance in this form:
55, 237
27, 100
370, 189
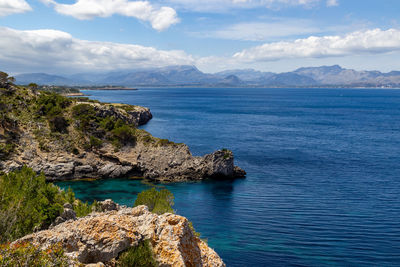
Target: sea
323, 172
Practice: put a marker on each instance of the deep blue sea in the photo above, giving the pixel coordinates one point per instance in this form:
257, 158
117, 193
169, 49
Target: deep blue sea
323, 172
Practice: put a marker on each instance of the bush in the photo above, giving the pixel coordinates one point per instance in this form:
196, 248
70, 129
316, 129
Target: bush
86, 115
139, 256
83, 111
58, 124
164, 142
124, 134
6, 150
29, 255
27, 201
157, 201
51, 104
95, 142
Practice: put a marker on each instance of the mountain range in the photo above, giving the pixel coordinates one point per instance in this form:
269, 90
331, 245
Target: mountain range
324, 76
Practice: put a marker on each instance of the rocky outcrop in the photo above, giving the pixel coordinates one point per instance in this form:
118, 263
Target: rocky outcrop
136, 115
143, 156
172, 162
101, 237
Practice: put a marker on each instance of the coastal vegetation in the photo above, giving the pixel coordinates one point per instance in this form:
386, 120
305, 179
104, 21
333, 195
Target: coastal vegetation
28, 202
139, 256
29, 255
157, 201
61, 123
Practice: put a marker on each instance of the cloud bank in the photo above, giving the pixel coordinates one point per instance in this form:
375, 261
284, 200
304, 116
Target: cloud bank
40, 50
159, 18
370, 41
57, 51
8, 7
262, 31
222, 5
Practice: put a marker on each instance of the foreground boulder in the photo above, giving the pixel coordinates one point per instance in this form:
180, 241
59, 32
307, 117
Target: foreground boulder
101, 237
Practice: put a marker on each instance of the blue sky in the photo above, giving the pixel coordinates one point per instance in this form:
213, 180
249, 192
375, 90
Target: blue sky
69, 36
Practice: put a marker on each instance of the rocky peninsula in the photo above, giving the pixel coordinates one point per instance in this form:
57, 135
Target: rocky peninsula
75, 138
100, 237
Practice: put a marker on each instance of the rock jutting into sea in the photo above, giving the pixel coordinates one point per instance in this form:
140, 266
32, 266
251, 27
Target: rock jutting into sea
101, 236
80, 138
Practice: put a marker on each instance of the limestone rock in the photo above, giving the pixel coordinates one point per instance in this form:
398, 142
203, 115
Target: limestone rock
152, 159
108, 205
100, 237
68, 214
134, 115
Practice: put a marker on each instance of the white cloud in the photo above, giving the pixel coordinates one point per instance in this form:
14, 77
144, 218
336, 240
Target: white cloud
8, 7
371, 41
223, 5
330, 3
262, 31
159, 18
51, 50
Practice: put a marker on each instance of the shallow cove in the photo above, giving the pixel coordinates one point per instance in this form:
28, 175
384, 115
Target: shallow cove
323, 168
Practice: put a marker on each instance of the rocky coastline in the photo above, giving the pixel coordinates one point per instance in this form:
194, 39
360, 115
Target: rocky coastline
36, 146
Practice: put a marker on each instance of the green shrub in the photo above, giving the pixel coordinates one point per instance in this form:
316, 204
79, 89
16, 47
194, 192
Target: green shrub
147, 139
58, 124
26, 201
28, 255
95, 142
86, 115
164, 142
6, 150
124, 134
108, 123
82, 208
51, 104
139, 256
83, 111
157, 201
227, 153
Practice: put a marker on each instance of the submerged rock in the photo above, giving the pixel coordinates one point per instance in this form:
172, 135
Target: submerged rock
101, 237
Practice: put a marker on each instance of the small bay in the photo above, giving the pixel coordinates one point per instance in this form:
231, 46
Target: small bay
323, 172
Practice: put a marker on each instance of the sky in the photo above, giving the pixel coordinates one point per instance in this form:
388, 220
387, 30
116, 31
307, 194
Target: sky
73, 36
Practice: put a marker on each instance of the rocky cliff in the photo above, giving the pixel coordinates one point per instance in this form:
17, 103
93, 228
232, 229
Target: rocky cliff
79, 138
102, 236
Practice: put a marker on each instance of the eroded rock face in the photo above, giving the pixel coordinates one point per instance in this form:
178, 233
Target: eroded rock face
100, 237
166, 163
135, 115
157, 161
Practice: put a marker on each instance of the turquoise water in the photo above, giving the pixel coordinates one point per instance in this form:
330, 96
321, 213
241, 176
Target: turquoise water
323, 183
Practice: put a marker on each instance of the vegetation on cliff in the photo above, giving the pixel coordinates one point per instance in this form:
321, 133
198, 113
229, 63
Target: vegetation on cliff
28, 202
59, 123
139, 256
29, 255
157, 201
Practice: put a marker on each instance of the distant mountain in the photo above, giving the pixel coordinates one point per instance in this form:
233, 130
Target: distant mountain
43, 79
246, 75
184, 75
288, 79
336, 75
